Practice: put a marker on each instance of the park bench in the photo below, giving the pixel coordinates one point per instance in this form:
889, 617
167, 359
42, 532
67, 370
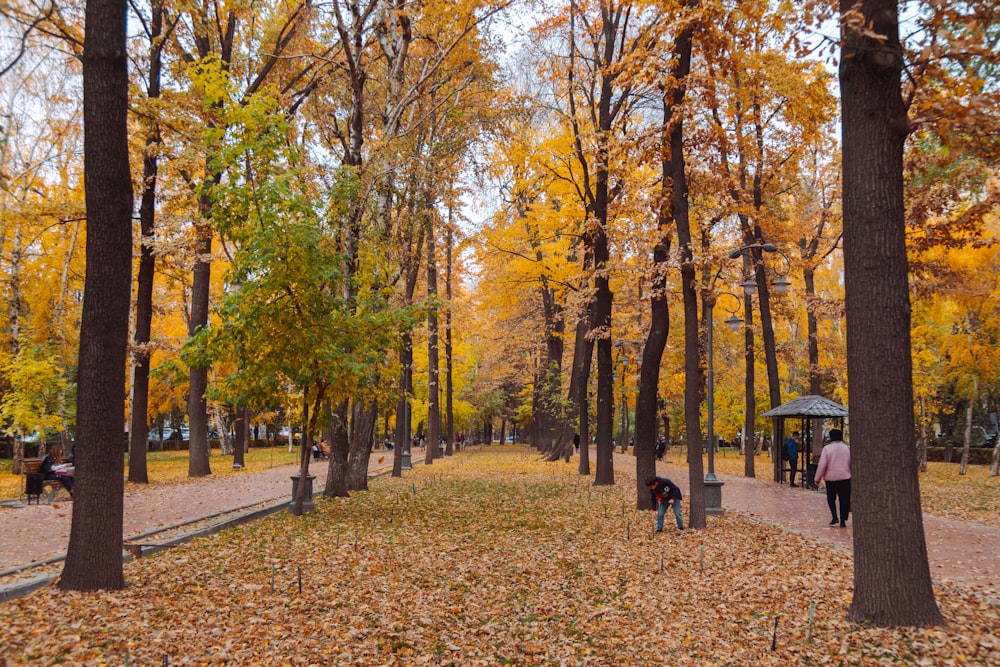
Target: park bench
34, 485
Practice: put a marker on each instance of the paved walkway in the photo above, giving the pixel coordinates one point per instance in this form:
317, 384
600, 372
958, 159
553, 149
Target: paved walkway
961, 551
964, 552
37, 532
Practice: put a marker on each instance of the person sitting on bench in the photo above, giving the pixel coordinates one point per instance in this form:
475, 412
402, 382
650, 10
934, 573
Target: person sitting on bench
51, 469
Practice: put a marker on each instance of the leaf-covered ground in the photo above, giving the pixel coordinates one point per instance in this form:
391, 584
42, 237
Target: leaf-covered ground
488, 558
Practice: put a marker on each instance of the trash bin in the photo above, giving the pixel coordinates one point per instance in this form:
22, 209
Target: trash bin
33, 487
307, 501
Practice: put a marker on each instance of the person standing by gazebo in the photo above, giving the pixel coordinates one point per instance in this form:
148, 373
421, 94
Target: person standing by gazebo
792, 454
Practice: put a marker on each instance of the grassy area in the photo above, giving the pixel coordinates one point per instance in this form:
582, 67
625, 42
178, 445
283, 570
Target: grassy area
491, 557
974, 496
171, 467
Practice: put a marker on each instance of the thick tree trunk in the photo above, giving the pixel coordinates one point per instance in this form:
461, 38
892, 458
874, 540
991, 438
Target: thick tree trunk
340, 447
892, 583
692, 383
361, 446
242, 432
94, 557
601, 322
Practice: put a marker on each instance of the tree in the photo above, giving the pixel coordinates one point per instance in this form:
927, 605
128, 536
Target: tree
891, 575
94, 559
138, 416
672, 206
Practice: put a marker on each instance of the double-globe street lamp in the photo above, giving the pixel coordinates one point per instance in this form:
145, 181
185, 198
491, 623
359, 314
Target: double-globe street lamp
713, 485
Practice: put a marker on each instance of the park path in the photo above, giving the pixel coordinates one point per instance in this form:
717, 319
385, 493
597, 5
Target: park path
31, 533
964, 552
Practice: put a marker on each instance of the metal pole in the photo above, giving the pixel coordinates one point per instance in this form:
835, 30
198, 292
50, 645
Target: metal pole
713, 485
710, 305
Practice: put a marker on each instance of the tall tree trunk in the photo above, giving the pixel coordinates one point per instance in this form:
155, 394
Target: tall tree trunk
601, 322
300, 490
242, 432
578, 394
674, 205
94, 557
139, 424
692, 380
198, 464
433, 372
892, 583
815, 376
967, 435
340, 447
365, 415
403, 404
449, 384
14, 314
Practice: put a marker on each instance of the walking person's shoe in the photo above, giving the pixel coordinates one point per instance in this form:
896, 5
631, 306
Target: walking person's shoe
843, 524
833, 521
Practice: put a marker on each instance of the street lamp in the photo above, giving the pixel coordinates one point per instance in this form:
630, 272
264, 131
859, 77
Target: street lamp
713, 485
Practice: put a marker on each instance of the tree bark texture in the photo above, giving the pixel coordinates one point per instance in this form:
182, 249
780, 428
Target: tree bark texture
198, 464
892, 583
139, 425
94, 556
365, 415
340, 447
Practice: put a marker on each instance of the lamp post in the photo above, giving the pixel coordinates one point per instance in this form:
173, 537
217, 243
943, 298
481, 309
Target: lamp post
713, 485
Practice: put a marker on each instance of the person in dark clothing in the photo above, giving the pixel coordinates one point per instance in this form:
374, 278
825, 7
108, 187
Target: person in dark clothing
663, 492
661, 448
792, 454
50, 466
576, 441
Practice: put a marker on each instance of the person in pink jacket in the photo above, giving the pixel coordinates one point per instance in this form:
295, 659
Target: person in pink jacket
835, 467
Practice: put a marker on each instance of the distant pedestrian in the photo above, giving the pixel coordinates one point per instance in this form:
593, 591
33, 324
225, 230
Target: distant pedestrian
661, 448
662, 493
792, 454
576, 441
835, 468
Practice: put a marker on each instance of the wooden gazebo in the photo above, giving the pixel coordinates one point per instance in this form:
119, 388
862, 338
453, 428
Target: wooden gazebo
806, 408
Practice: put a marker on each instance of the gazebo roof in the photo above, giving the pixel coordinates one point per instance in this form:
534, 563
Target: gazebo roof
808, 406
